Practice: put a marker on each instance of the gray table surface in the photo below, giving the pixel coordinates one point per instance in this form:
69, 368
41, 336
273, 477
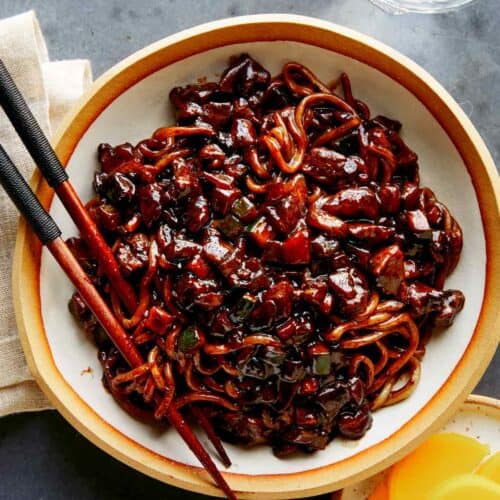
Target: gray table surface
41, 456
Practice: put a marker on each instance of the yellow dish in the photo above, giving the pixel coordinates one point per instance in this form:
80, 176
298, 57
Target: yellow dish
443, 464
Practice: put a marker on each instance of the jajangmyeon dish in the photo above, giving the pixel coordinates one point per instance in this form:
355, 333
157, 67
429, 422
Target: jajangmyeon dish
290, 268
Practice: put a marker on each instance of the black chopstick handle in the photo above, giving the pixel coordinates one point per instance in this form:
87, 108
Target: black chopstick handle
29, 131
26, 201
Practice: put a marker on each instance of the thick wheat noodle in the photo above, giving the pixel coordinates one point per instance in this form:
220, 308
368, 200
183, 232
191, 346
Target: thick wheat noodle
404, 325
191, 379
387, 396
288, 167
362, 109
378, 384
381, 327
164, 401
389, 306
257, 167
382, 396
297, 88
143, 338
358, 105
393, 353
166, 146
212, 384
254, 187
346, 87
149, 390
148, 172
155, 368
131, 374
171, 342
360, 360
134, 386
149, 153
116, 306
202, 369
221, 349
382, 359
336, 334
384, 153
164, 161
396, 395
164, 133
315, 99
407, 331
144, 295
365, 340
121, 396
370, 308
138, 330
205, 397
162, 409
228, 368
391, 325
297, 133
281, 132
337, 132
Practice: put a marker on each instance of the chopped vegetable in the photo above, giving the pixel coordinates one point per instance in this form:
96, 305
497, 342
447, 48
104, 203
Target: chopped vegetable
229, 226
321, 358
244, 209
243, 308
189, 338
466, 487
437, 459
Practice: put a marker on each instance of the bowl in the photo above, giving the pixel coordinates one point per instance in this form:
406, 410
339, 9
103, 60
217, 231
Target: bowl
127, 104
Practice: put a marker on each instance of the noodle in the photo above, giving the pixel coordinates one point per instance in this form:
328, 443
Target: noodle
288, 265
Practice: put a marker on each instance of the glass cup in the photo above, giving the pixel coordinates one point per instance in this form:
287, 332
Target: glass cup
422, 6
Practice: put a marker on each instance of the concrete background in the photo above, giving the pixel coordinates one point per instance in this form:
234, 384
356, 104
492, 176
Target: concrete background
41, 456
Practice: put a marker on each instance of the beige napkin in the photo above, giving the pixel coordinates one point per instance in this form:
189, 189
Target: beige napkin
50, 88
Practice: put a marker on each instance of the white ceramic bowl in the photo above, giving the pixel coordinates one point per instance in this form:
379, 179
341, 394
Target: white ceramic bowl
127, 104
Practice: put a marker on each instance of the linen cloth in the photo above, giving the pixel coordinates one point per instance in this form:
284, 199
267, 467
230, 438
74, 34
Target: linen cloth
50, 88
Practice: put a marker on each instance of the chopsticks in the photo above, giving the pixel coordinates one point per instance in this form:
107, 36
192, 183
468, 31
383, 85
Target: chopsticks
49, 234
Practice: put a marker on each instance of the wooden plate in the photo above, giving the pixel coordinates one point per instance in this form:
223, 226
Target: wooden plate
129, 102
478, 417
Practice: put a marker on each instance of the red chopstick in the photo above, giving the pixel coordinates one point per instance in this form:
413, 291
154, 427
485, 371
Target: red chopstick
214, 439
40, 149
